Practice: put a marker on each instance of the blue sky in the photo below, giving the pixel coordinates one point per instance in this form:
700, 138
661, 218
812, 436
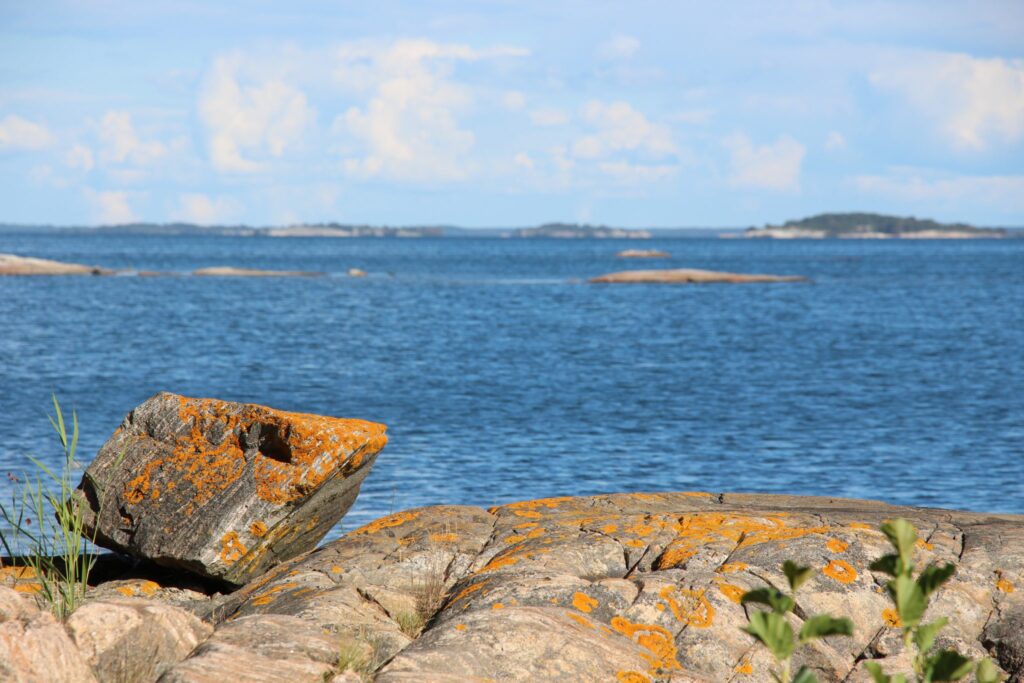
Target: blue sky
510, 113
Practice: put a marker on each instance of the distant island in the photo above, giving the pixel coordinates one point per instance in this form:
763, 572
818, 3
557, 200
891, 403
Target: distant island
871, 226
576, 231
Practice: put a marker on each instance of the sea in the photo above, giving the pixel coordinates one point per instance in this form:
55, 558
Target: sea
895, 374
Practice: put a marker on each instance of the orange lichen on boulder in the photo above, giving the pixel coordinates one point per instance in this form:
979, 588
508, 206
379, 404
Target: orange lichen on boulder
659, 643
692, 608
840, 570
583, 602
695, 530
397, 519
837, 546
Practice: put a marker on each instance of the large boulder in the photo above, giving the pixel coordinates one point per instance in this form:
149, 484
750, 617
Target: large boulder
225, 490
34, 647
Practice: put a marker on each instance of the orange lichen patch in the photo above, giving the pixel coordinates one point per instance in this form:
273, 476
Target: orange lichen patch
840, 570
231, 549
550, 503
268, 595
583, 602
698, 529
469, 590
211, 457
837, 546
258, 529
460, 627
636, 543
732, 591
335, 569
631, 677
693, 608
531, 514
609, 528
744, 668
1005, 585
444, 538
860, 525
497, 605
519, 538
655, 639
397, 519
21, 579
642, 528
507, 559
891, 618
580, 619
732, 567
924, 545
525, 525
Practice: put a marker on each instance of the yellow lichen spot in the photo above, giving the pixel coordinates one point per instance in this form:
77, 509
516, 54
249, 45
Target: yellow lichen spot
924, 545
631, 677
891, 618
126, 590
1005, 585
732, 567
660, 607
531, 505
731, 591
526, 525
231, 549
837, 546
840, 571
444, 538
335, 569
609, 528
497, 605
693, 607
258, 529
636, 543
580, 619
744, 668
388, 522
641, 529
583, 602
529, 514
468, 590
460, 627
860, 525
149, 588
658, 641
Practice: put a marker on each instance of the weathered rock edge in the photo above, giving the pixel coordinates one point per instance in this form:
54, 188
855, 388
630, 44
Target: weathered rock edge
224, 490
12, 264
627, 587
688, 276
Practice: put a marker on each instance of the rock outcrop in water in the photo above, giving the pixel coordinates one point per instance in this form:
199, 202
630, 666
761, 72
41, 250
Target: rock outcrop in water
643, 253
231, 271
11, 264
627, 587
689, 276
224, 490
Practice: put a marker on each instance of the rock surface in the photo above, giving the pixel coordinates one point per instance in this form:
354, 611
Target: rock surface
643, 253
628, 587
229, 271
689, 276
11, 264
224, 490
34, 647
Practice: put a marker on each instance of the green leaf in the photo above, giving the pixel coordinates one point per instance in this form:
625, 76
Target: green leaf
903, 536
796, 574
774, 598
888, 564
947, 665
804, 675
773, 631
924, 637
910, 601
934, 576
877, 675
986, 672
822, 625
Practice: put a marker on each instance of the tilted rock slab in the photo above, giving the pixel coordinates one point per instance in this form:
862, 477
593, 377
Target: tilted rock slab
688, 276
12, 264
627, 587
34, 647
224, 490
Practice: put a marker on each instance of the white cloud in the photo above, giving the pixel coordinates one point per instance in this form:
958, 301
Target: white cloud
523, 160
111, 207
632, 174
774, 166
514, 100
204, 210
79, 156
264, 116
17, 133
121, 144
920, 185
975, 102
835, 141
409, 127
618, 127
618, 47
548, 116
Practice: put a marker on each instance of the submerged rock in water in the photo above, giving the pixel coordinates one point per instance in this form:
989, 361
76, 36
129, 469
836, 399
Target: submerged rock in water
627, 587
11, 264
689, 276
229, 271
643, 253
225, 490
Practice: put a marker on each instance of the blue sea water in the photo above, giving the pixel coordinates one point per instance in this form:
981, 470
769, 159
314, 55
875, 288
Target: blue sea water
502, 375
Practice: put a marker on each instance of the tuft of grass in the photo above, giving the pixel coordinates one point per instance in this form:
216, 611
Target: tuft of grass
47, 529
411, 623
362, 655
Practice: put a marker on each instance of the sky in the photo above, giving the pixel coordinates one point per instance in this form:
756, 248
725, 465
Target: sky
496, 114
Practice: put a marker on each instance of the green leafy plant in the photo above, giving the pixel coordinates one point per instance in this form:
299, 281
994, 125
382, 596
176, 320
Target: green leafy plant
772, 628
48, 530
910, 597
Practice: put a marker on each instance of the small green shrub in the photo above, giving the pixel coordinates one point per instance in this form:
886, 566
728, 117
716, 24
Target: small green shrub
47, 530
910, 597
772, 628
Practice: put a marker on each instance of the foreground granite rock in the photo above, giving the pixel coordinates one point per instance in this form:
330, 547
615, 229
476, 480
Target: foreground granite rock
34, 647
11, 264
224, 490
689, 276
629, 587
